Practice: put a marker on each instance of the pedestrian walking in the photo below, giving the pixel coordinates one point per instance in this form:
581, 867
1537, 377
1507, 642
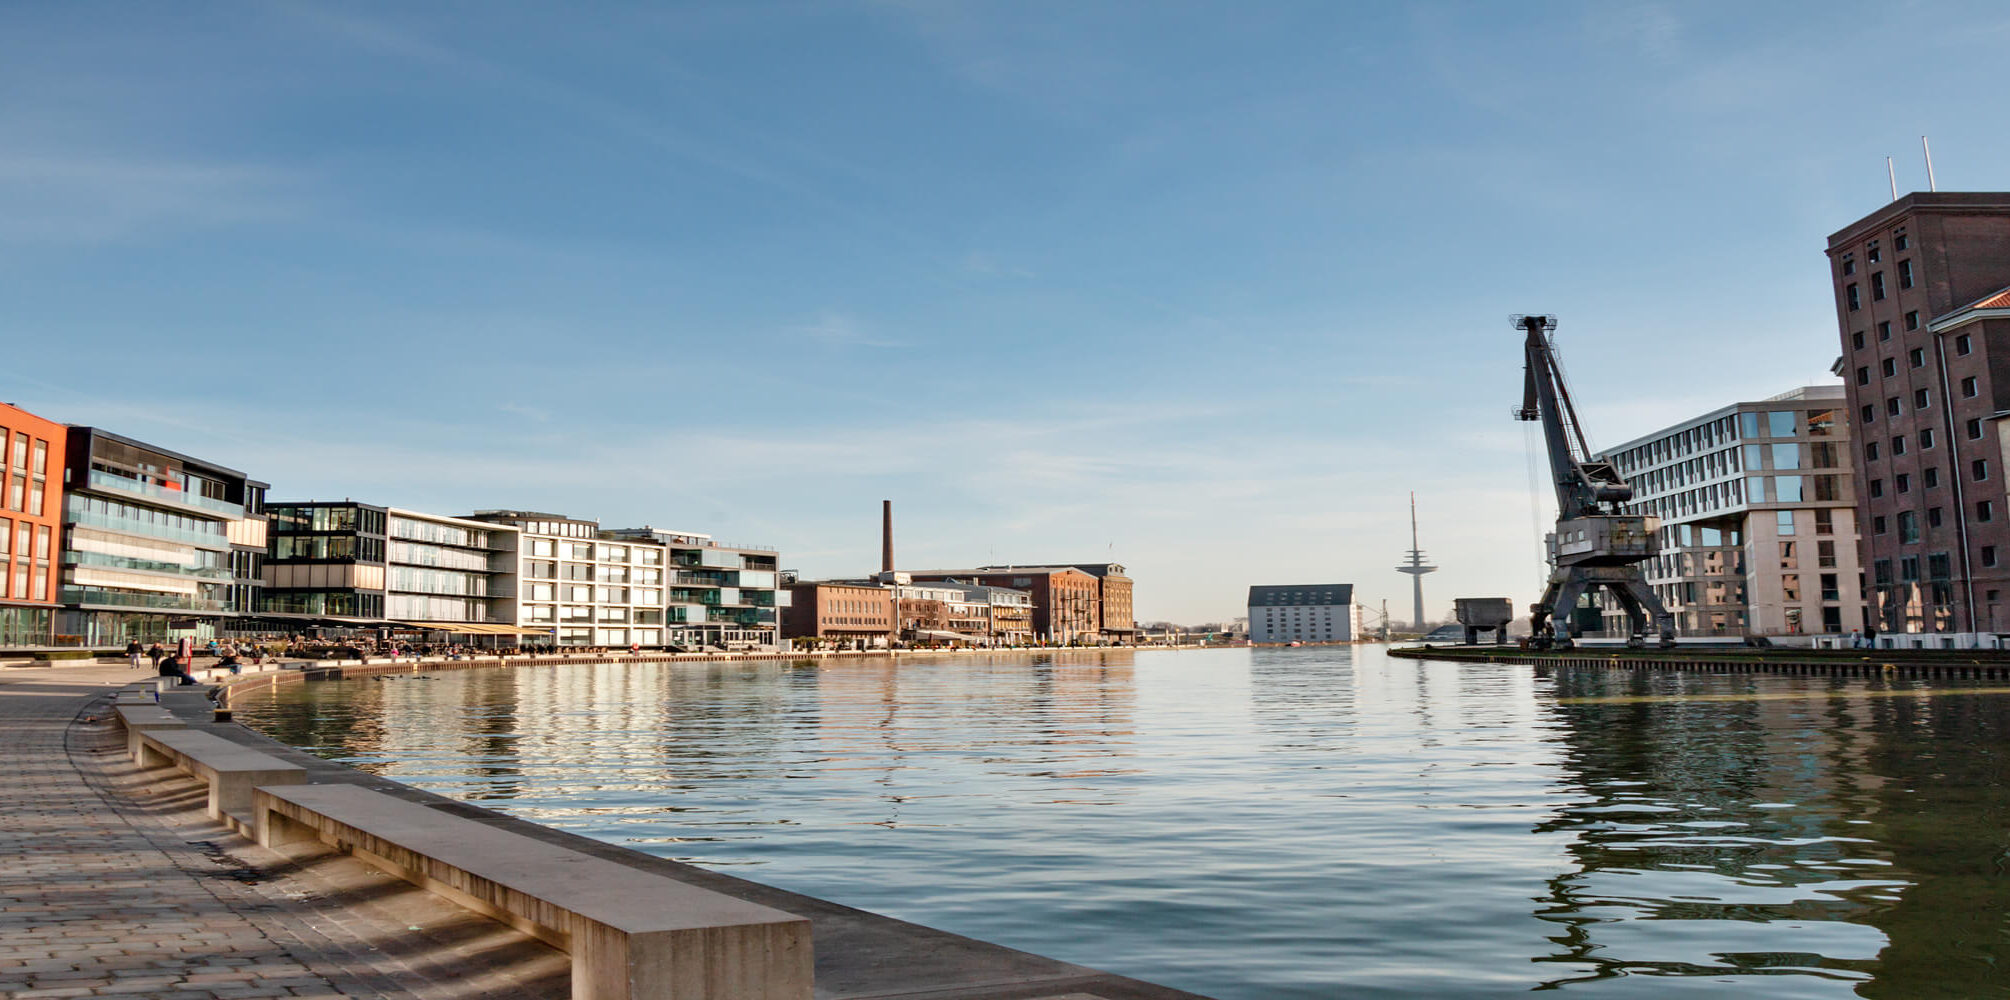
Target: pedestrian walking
133, 652
157, 653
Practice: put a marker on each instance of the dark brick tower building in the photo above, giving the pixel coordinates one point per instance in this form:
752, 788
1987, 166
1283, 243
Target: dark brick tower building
1922, 291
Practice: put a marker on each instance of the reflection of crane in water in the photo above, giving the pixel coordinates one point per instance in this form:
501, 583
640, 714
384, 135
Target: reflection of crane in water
1594, 545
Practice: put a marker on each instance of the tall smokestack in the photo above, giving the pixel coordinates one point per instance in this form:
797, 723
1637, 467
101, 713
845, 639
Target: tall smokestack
886, 537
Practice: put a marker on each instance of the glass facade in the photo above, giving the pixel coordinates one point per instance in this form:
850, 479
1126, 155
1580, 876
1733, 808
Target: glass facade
154, 544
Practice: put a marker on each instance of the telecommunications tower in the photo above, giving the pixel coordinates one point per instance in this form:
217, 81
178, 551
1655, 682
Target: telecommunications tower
1415, 566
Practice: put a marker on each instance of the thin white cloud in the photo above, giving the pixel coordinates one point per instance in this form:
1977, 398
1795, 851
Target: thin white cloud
68, 197
838, 330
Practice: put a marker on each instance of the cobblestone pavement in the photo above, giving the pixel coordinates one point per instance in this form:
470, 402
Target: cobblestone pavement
115, 884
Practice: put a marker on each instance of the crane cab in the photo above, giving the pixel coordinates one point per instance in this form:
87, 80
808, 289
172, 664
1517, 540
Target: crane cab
1605, 540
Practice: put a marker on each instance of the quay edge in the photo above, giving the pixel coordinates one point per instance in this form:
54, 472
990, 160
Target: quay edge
1959, 664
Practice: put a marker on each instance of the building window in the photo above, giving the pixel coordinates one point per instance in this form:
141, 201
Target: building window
1869, 413
1856, 340
1985, 511
1877, 525
1898, 240
1852, 297
1933, 517
1920, 399
1877, 487
1925, 438
1877, 286
1848, 264
1883, 331
1905, 273
1890, 367
1980, 469
1863, 375
1912, 320
1902, 482
1932, 476
1917, 356
1891, 406
1989, 555
1968, 387
1908, 527
1962, 345
1870, 252
1974, 429
1898, 446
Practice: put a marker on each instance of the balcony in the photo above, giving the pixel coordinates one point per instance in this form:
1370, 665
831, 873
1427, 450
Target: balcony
216, 574
147, 529
100, 480
125, 599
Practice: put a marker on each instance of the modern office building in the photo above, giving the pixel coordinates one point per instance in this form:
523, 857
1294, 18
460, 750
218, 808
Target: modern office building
1922, 292
1305, 612
340, 562
593, 588
31, 525
1067, 606
718, 595
155, 544
1758, 517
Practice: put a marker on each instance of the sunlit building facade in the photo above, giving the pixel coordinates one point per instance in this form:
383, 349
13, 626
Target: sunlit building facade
31, 525
155, 544
1758, 517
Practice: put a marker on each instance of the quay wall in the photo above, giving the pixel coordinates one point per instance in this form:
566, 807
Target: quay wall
1967, 664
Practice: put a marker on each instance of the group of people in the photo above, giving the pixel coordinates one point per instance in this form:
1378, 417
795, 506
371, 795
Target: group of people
176, 662
1863, 639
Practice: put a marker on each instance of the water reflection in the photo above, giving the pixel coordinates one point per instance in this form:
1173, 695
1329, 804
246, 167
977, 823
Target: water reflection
1841, 831
1276, 823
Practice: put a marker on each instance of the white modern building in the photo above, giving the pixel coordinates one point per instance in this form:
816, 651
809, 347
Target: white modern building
1758, 516
591, 590
1309, 612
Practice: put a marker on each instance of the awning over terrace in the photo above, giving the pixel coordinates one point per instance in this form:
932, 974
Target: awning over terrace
480, 628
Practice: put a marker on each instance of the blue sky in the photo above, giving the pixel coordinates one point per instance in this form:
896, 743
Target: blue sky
1201, 288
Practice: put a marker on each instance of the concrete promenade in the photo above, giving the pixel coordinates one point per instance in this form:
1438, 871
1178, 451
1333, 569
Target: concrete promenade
116, 884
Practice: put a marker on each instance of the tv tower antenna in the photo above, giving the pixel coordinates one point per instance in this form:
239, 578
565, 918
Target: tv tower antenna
1415, 566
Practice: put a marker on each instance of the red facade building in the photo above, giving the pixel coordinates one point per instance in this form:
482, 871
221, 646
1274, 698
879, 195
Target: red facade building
31, 525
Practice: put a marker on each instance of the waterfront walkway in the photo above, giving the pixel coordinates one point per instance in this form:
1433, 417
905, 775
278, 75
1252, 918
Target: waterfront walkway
117, 885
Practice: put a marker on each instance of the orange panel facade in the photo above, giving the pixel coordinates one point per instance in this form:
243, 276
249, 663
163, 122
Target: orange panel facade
31, 523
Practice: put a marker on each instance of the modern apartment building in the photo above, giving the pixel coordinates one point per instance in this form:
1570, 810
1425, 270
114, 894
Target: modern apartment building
1302, 612
31, 525
593, 588
155, 543
727, 596
1758, 517
351, 563
1922, 292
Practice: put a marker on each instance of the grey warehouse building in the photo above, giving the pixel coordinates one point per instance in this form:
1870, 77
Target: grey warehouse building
1308, 612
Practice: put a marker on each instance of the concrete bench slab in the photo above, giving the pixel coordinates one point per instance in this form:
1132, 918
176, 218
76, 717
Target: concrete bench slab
141, 719
632, 934
231, 770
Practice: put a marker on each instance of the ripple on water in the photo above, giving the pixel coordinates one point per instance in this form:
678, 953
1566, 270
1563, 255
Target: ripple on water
1274, 823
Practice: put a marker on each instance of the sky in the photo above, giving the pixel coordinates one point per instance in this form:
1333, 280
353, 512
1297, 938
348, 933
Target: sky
1204, 289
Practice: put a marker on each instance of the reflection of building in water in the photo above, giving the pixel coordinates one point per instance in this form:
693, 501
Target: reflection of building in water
1766, 813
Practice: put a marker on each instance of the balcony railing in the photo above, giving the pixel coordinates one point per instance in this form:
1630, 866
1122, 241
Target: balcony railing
123, 599
110, 481
216, 573
148, 529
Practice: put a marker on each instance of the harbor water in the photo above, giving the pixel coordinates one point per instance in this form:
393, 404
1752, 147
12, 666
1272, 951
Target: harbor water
1275, 823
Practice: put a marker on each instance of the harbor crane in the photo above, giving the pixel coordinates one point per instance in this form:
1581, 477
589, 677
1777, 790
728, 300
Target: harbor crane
1595, 545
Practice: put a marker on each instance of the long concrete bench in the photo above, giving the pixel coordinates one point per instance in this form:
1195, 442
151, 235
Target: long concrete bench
141, 719
231, 770
631, 934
